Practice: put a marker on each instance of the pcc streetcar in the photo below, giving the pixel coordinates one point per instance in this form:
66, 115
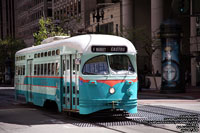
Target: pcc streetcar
84, 74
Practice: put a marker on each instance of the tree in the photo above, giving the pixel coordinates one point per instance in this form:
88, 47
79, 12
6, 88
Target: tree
8, 48
47, 29
148, 44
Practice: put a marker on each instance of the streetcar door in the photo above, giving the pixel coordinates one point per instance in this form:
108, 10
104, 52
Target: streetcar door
75, 82
66, 81
70, 83
29, 85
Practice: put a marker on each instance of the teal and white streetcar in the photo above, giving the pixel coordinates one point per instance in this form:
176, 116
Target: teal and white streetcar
84, 74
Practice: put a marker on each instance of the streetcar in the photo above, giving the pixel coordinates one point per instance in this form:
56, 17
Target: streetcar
83, 74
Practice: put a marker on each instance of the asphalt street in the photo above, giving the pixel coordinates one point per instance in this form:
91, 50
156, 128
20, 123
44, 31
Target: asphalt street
154, 115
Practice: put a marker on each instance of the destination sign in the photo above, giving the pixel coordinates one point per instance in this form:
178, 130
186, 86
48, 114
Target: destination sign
115, 49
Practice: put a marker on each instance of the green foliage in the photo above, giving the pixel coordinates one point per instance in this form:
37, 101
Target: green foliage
140, 36
47, 29
8, 48
148, 43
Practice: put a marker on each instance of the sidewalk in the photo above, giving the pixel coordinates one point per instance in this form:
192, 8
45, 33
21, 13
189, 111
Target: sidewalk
6, 88
190, 93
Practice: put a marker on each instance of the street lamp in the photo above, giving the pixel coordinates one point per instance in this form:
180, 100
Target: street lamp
98, 15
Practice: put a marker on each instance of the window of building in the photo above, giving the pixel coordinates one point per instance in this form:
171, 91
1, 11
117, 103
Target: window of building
106, 28
49, 12
100, 1
79, 6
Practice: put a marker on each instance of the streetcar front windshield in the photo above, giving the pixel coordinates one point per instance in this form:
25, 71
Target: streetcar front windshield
120, 64
96, 66
99, 65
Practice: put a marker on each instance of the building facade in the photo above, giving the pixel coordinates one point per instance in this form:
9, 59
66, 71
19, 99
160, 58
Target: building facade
80, 17
72, 15
110, 21
149, 15
28, 13
7, 19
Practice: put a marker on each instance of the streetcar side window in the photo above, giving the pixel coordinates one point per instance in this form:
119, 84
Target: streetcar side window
64, 65
77, 67
23, 69
20, 71
57, 51
45, 54
57, 69
38, 70
53, 52
53, 69
67, 64
45, 69
49, 53
35, 69
16, 71
49, 69
73, 64
41, 69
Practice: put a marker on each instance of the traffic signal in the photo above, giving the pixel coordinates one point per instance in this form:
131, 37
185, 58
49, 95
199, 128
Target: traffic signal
181, 6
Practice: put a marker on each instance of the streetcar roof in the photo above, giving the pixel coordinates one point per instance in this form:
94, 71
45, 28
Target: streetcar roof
83, 43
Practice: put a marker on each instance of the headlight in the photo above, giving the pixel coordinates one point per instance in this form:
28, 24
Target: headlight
112, 90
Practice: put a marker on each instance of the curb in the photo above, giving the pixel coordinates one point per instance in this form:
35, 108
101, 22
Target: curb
167, 96
6, 88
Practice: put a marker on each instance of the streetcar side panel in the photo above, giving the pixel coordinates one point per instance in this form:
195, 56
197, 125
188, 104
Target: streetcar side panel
42, 80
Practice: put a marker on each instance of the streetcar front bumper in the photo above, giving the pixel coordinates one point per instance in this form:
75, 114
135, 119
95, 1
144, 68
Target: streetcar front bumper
90, 106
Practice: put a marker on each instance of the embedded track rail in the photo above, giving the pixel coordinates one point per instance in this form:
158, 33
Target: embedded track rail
148, 115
